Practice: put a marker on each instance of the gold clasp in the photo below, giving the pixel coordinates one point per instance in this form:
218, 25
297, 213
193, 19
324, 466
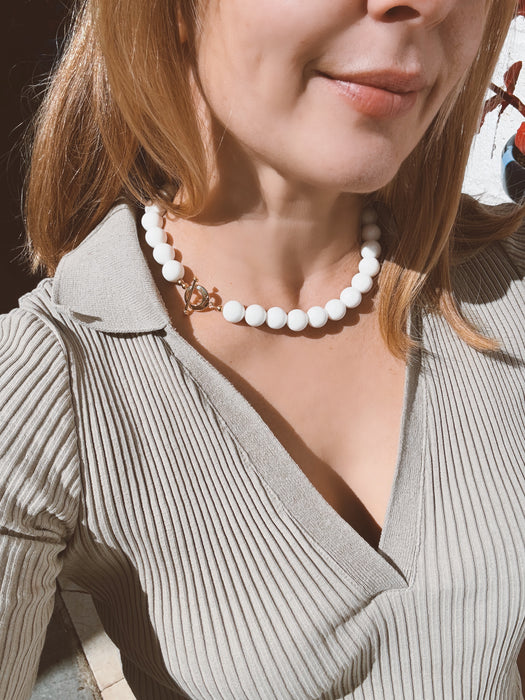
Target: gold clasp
188, 293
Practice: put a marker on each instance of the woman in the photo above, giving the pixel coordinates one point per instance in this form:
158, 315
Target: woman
271, 487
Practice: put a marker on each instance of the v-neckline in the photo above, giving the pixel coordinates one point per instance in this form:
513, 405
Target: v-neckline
392, 564
389, 566
137, 306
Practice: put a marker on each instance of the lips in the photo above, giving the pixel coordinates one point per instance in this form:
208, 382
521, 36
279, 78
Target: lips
399, 82
378, 93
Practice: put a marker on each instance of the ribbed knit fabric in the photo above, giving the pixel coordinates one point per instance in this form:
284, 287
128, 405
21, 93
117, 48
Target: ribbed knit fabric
133, 465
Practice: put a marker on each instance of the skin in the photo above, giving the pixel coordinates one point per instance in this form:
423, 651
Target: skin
291, 162
291, 158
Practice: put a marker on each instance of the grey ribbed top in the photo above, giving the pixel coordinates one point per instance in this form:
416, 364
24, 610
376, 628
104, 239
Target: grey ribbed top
216, 567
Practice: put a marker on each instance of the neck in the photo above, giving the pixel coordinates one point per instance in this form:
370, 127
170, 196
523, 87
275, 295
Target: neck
263, 237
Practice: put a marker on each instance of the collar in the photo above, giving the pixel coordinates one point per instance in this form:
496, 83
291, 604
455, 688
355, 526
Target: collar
105, 282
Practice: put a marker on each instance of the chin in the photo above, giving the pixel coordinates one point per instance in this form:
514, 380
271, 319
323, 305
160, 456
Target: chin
360, 178
368, 181
362, 169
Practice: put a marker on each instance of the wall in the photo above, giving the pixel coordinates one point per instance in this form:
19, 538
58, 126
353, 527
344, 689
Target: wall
483, 177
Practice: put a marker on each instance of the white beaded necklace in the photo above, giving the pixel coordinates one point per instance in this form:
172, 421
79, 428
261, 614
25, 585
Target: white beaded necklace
255, 315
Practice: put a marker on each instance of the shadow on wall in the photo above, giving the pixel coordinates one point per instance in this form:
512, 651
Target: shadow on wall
34, 34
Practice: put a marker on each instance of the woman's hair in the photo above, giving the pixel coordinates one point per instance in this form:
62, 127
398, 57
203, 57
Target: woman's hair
119, 121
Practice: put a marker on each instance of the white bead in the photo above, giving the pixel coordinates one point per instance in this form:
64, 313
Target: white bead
351, 297
362, 282
371, 232
151, 219
317, 316
173, 271
297, 320
233, 311
369, 266
370, 249
163, 252
155, 235
157, 208
369, 216
255, 315
336, 309
276, 317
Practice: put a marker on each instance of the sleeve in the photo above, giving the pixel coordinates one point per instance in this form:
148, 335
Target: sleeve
514, 246
39, 488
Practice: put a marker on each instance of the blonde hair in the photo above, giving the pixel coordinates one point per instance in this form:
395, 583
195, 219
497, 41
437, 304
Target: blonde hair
101, 136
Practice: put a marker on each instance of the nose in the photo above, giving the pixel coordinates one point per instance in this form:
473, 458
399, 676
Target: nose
429, 12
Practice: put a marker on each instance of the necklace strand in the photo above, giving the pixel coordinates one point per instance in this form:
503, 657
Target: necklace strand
256, 315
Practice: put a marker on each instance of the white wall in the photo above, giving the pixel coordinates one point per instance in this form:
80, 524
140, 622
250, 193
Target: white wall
483, 178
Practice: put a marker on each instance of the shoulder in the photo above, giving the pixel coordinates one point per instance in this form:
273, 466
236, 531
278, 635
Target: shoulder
39, 464
488, 285
486, 233
34, 323
34, 366
490, 244
34, 332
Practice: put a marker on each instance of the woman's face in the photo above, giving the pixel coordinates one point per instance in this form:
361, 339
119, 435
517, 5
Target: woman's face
334, 93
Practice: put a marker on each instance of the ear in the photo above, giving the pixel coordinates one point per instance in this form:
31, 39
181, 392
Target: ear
181, 24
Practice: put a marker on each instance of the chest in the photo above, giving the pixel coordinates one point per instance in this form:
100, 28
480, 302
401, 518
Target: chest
335, 402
